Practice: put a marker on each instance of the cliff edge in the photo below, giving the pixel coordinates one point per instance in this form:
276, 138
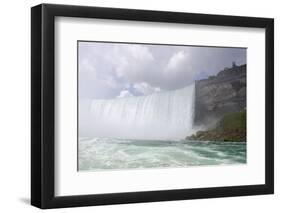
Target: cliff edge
220, 94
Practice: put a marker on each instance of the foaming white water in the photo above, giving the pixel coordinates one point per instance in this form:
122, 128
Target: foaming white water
162, 115
109, 153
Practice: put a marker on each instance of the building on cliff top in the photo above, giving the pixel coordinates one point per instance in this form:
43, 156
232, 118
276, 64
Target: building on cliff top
234, 70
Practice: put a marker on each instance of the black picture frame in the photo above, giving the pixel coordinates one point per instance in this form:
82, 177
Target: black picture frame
43, 102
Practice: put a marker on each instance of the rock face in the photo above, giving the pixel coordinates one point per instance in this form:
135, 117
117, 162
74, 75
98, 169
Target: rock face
220, 94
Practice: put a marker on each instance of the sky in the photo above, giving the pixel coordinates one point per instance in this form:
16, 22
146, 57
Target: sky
117, 70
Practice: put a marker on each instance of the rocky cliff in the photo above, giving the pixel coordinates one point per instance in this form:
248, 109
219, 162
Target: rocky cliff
220, 94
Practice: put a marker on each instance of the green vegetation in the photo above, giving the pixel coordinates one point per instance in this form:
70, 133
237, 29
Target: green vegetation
233, 121
231, 127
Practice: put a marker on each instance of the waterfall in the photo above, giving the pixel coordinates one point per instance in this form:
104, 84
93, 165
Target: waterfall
159, 116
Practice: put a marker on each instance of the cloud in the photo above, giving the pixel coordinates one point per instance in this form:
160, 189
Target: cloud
93, 84
86, 66
125, 94
139, 64
177, 60
179, 70
107, 69
131, 62
145, 88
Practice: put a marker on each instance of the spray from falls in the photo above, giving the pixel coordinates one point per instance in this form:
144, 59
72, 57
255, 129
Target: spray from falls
159, 116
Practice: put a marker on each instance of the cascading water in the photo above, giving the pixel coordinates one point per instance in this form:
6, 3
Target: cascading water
160, 116
145, 132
